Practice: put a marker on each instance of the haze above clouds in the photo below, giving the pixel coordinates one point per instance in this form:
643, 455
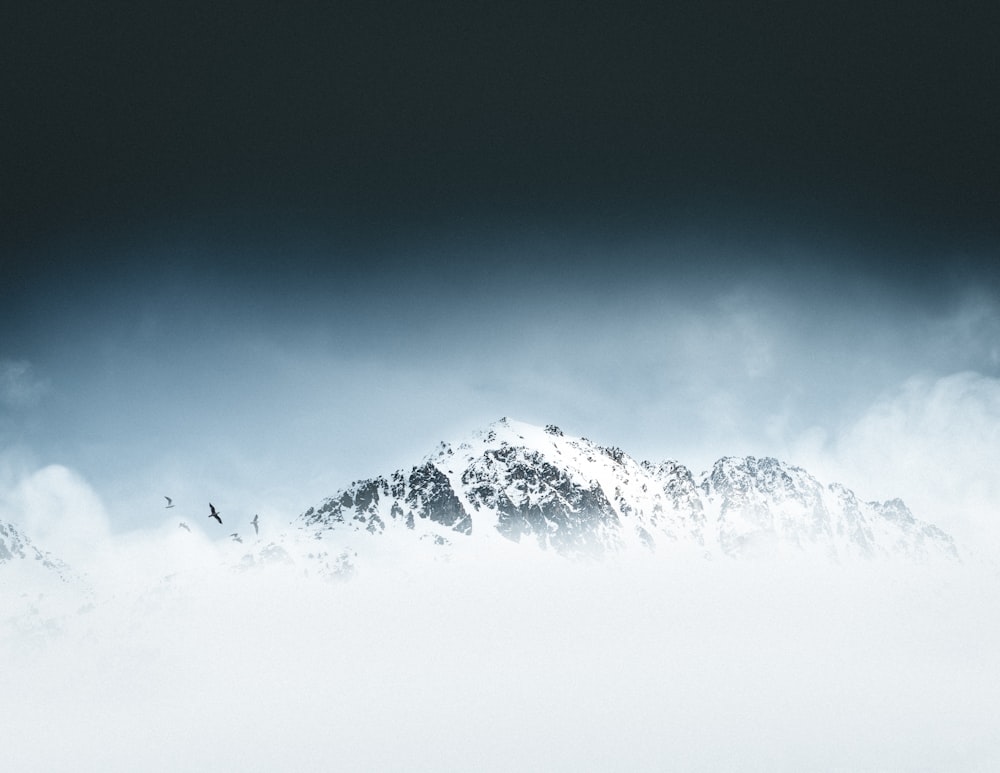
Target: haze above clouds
265, 390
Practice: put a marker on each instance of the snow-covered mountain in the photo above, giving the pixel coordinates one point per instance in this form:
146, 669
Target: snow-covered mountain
536, 485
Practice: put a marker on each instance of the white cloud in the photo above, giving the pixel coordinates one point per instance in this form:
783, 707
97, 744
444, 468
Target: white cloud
59, 511
934, 442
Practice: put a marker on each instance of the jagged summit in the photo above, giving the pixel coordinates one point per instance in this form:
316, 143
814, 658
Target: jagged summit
525, 483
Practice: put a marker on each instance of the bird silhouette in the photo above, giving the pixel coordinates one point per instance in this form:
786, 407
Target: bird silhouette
256, 528
236, 537
170, 502
184, 526
215, 513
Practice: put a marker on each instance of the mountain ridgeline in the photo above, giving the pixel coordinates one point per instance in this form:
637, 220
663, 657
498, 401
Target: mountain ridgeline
529, 484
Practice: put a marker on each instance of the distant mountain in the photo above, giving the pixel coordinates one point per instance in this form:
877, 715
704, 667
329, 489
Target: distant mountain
530, 484
19, 553
38, 592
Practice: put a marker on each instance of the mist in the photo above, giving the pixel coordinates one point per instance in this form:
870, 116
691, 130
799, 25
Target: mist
503, 661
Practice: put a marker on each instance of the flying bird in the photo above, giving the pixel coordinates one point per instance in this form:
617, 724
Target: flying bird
236, 537
184, 526
256, 528
215, 513
170, 502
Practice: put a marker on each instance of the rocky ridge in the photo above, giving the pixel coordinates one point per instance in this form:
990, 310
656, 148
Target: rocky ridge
574, 497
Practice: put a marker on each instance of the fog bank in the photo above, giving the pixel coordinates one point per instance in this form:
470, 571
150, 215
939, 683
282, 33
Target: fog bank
504, 663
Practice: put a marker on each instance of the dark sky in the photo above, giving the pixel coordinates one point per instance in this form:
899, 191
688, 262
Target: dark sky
261, 251
875, 121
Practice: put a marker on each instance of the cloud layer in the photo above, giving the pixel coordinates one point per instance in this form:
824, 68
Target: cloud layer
515, 664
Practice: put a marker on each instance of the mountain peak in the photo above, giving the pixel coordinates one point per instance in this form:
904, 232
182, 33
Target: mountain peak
527, 483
